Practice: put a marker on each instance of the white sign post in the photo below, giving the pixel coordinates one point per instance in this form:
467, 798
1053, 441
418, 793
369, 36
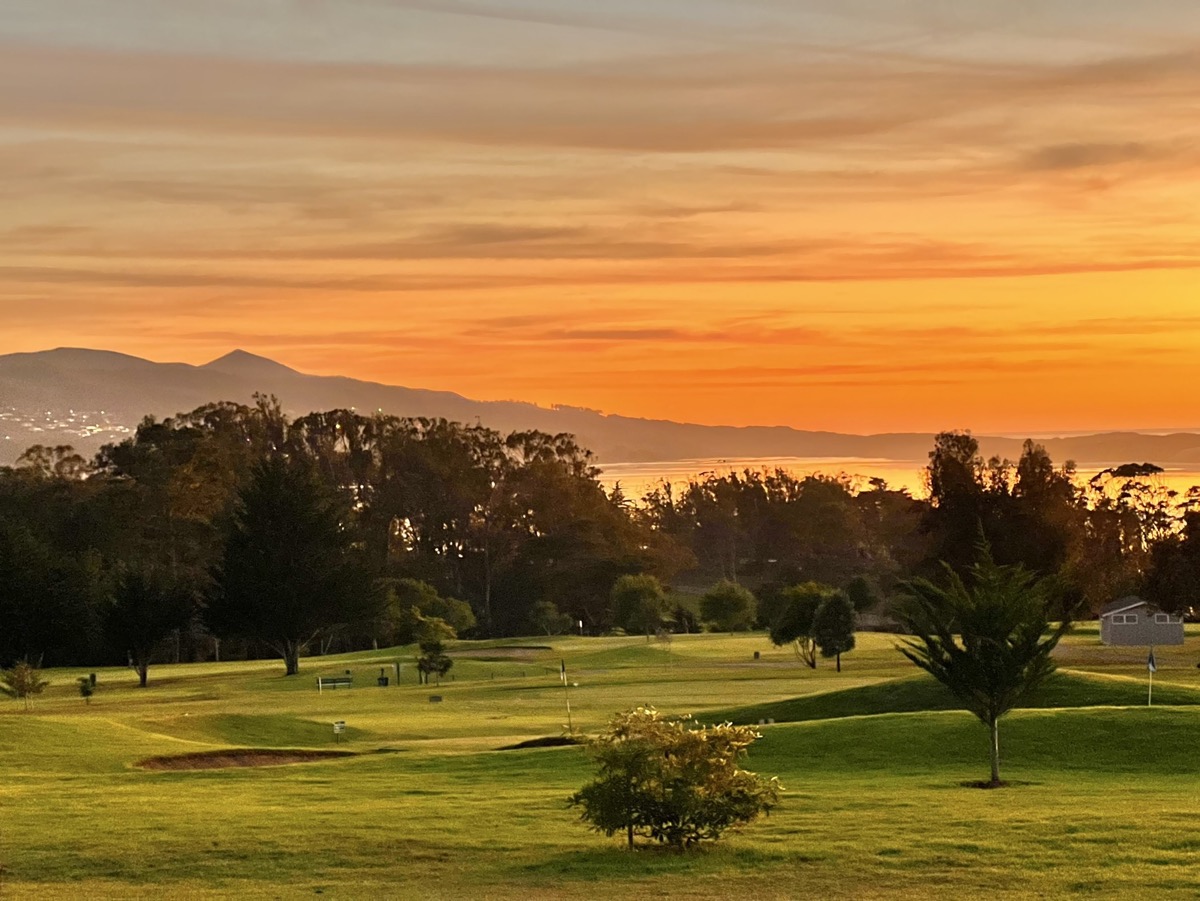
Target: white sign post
338, 728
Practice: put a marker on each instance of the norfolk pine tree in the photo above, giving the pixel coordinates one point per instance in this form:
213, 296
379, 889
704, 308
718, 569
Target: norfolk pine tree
988, 641
23, 681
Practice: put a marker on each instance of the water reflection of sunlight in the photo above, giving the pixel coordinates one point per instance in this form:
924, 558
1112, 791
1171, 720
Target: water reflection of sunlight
638, 478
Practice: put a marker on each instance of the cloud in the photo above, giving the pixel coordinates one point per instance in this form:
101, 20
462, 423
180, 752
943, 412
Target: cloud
559, 15
701, 102
529, 263
1083, 156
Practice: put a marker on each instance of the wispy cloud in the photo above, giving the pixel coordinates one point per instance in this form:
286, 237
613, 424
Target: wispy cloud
749, 101
1083, 156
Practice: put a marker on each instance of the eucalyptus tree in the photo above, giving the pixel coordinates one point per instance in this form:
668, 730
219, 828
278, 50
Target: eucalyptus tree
570, 540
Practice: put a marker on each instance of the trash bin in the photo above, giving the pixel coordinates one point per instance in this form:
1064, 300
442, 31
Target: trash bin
383, 681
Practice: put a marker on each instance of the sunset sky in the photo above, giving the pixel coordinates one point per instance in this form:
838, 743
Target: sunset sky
859, 215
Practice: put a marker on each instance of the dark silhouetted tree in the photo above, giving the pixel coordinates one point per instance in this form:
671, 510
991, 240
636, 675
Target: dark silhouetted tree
410, 601
289, 569
833, 627
146, 607
639, 604
958, 501
862, 594
728, 607
794, 625
1172, 581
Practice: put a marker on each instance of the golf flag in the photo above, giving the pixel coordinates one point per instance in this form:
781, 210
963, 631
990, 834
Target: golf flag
1150, 664
562, 672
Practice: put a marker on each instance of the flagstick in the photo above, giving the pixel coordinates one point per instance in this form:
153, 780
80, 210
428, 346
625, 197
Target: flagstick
1150, 691
567, 695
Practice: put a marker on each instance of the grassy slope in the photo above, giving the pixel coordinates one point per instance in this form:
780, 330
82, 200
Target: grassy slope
921, 693
874, 806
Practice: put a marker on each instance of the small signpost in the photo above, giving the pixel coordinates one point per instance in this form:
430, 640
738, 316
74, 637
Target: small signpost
338, 728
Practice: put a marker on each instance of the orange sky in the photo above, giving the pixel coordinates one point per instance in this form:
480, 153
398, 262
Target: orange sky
861, 216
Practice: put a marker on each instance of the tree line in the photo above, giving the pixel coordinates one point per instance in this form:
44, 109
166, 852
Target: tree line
233, 530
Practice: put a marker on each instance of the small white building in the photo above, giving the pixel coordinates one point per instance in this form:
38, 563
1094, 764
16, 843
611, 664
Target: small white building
1134, 622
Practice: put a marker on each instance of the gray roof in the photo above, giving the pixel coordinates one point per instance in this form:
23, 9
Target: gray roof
1127, 603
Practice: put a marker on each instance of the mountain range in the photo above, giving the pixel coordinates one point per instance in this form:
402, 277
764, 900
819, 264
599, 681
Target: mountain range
88, 398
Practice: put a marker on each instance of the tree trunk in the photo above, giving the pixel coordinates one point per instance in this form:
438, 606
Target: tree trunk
839, 661
487, 593
143, 671
291, 657
994, 725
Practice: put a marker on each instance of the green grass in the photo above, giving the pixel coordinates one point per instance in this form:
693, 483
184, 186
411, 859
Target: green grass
1103, 801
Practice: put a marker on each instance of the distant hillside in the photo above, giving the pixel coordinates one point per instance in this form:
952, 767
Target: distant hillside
89, 397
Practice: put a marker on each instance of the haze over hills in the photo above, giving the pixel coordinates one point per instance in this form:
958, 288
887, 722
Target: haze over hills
88, 398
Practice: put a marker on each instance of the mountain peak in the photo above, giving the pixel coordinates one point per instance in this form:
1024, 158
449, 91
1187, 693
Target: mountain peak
243, 362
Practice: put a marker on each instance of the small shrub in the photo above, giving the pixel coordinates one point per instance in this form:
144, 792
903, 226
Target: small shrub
671, 781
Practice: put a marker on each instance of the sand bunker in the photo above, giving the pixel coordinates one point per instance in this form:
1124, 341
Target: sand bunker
212, 760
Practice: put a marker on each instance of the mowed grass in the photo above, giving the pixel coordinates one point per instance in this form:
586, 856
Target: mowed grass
1103, 802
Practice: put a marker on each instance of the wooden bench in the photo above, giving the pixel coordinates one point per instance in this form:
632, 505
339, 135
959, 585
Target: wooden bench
324, 682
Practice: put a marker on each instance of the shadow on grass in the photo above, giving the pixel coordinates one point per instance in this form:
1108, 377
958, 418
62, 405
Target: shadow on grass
550, 741
989, 784
615, 863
